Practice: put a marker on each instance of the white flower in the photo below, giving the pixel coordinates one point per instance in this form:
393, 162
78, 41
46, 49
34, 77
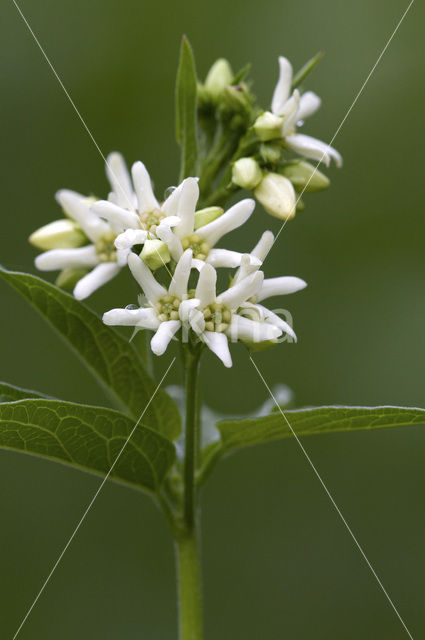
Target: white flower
99, 256
165, 310
289, 111
218, 318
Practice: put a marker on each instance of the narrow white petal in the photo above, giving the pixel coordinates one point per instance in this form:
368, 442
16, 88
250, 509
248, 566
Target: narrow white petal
280, 286
283, 87
170, 205
290, 113
219, 345
197, 321
119, 178
263, 246
173, 243
230, 220
143, 186
275, 319
78, 208
129, 238
186, 307
224, 258
171, 221
178, 285
164, 335
144, 318
241, 291
144, 276
309, 104
186, 208
96, 279
205, 289
115, 214
67, 258
313, 148
251, 330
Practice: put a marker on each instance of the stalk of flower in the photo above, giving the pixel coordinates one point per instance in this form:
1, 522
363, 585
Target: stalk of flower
289, 110
82, 244
165, 309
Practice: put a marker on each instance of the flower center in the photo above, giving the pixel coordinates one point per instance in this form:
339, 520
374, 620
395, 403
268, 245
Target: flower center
105, 248
167, 308
199, 247
217, 317
150, 221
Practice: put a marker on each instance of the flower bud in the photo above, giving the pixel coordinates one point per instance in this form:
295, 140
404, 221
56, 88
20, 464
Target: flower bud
268, 126
155, 254
246, 173
271, 151
60, 234
305, 177
218, 77
204, 216
68, 278
277, 196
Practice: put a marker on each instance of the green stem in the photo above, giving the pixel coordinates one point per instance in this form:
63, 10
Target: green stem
187, 544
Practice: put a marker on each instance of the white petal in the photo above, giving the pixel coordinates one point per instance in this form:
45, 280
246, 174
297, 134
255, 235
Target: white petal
144, 318
231, 219
129, 238
178, 285
171, 221
151, 288
96, 279
219, 345
173, 243
67, 258
143, 186
309, 104
249, 264
313, 148
224, 258
241, 291
280, 286
251, 330
273, 318
119, 178
170, 205
186, 208
263, 246
205, 289
115, 214
78, 208
197, 321
185, 308
283, 87
163, 336
290, 113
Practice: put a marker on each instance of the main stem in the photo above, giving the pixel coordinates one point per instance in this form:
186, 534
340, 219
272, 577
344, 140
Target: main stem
187, 543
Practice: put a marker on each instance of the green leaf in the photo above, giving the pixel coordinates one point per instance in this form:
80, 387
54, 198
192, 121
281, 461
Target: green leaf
89, 438
109, 356
186, 101
241, 74
243, 433
305, 70
10, 393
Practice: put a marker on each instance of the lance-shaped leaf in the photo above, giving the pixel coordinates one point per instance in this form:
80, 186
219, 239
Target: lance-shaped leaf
88, 438
10, 393
305, 70
304, 422
109, 356
186, 100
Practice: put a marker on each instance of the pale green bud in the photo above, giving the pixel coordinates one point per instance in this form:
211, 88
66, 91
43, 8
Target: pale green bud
246, 173
155, 254
204, 216
218, 77
277, 195
68, 278
268, 126
305, 177
271, 151
237, 99
60, 234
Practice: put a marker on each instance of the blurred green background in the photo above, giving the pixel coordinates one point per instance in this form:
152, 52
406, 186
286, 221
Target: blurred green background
278, 562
